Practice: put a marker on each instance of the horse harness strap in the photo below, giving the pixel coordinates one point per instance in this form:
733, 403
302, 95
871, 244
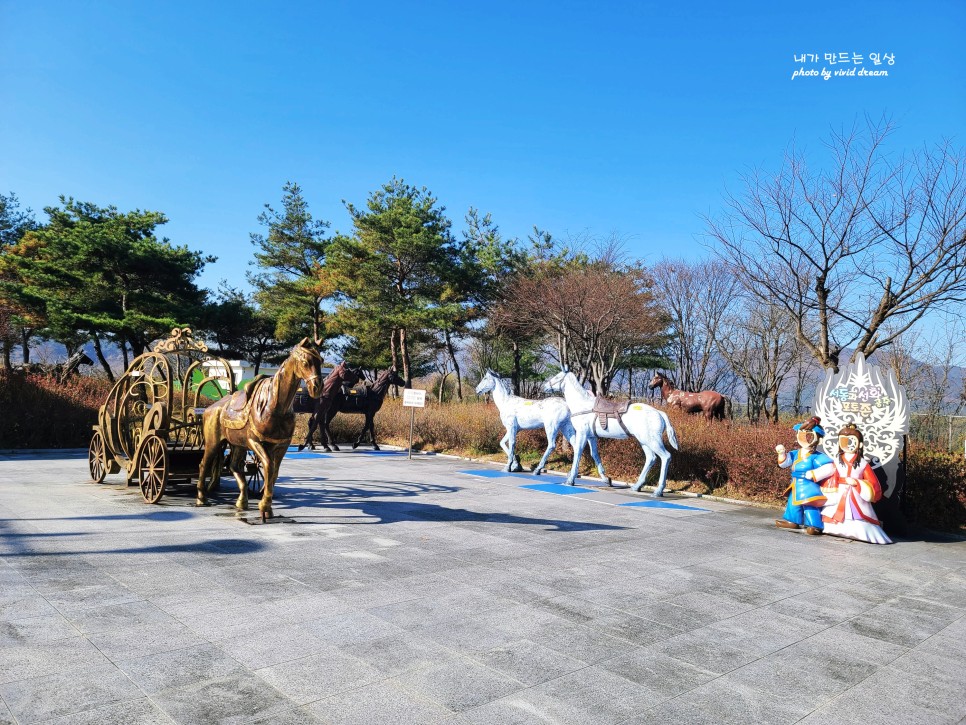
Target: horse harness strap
606, 409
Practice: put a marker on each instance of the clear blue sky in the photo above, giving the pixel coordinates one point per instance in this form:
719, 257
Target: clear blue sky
578, 117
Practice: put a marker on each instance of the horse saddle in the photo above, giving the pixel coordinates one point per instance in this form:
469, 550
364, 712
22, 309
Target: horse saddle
356, 392
238, 409
606, 408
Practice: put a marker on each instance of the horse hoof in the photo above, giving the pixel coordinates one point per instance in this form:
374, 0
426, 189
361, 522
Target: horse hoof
608, 481
302, 448
334, 447
376, 448
241, 505
658, 494
354, 446
326, 449
201, 502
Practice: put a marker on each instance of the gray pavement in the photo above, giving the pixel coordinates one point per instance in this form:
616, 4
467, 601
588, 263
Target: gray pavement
433, 591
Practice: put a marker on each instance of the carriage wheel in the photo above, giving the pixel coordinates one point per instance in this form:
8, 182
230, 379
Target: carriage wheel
97, 458
254, 475
151, 468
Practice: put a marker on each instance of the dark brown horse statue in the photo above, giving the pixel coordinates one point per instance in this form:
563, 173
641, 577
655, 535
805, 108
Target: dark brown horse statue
340, 376
363, 400
260, 419
713, 405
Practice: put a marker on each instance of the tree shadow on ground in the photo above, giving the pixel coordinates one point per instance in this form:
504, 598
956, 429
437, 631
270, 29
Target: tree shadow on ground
389, 512
216, 546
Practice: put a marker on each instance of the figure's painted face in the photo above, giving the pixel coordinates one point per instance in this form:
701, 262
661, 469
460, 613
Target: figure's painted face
555, 383
807, 438
849, 444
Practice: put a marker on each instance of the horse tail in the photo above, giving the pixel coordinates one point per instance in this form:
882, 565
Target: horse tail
670, 430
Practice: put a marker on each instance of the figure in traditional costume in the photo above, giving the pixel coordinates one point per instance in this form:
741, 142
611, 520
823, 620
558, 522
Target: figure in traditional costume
809, 467
851, 491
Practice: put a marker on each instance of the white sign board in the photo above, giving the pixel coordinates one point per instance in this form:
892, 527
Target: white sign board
413, 398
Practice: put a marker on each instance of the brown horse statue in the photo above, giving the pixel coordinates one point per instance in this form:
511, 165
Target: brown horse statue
342, 375
363, 400
259, 418
713, 405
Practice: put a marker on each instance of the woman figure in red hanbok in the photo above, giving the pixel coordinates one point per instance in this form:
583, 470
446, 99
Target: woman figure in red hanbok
850, 493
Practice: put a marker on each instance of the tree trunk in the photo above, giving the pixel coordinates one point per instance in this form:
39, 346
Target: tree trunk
630, 383
442, 386
5, 361
456, 366
517, 355
103, 360
124, 356
25, 344
404, 354
395, 359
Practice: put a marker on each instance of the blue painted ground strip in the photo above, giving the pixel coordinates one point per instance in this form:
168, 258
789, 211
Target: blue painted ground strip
306, 455
661, 505
558, 488
563, 489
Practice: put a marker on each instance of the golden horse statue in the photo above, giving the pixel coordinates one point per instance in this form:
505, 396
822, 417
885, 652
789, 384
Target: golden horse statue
259, 418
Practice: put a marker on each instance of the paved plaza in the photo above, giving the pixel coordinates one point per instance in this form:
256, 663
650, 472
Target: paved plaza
442, 591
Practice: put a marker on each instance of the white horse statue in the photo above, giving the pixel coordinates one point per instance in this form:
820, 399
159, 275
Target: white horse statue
594, 417
518, 414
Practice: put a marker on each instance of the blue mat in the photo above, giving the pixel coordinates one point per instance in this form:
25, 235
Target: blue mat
381, 453
306, 455
662, 505
558, 488
502, 474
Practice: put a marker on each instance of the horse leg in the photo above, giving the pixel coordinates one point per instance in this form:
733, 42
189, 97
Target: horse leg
648, 462
665, 457
578, 452
327, 434
313, 424
595, 454
236, 465
505, 445
551, 432
270, 469
514, 464
203, 470
372, 431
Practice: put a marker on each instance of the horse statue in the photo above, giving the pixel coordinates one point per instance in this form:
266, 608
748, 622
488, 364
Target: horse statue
341, 375
595, 417
713, 405
362, 400
519, 414
260, 419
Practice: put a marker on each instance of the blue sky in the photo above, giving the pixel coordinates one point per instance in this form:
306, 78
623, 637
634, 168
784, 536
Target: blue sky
582, 118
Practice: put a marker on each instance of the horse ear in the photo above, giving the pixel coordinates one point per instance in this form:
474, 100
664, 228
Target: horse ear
304, 342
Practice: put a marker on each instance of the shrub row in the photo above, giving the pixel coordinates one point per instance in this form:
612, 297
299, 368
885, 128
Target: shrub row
36, 411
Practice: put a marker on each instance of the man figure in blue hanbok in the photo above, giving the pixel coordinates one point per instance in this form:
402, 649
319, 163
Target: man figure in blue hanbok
809, 467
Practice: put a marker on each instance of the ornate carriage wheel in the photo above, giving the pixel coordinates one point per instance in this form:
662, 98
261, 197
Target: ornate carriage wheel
151, 467
254, 474
97, 458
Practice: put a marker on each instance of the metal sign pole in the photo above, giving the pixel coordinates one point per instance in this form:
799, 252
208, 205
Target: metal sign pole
412, 421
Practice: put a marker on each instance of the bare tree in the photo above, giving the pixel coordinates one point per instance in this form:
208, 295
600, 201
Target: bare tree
698, 297
592, 315
846, 250
761, 348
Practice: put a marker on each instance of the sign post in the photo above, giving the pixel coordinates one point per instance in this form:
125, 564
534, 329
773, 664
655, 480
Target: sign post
413, 399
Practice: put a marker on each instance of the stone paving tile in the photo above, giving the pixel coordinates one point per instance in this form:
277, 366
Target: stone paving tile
719, 702
22, 607
42, 698
179, 668
133, 642
529, 662
6, 717
381, 702
399, 653
458, 684
20, 662
703, 648
325, 673
297, 716
889, 695
114, 617
129, 712
662, 675
36, 629
238, 699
